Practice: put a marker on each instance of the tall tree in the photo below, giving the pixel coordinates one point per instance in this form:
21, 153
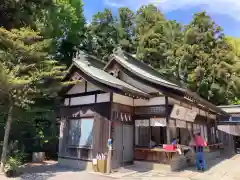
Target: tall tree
206, 61
25, 68
63, 22
16, 14
149, 20
126, 29
103, 34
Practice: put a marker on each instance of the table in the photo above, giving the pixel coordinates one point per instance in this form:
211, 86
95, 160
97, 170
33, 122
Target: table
154, 154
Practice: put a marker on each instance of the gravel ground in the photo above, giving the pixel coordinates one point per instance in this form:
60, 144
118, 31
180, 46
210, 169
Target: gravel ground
53, 172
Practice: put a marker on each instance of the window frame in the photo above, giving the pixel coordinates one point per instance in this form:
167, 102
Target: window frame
68, 132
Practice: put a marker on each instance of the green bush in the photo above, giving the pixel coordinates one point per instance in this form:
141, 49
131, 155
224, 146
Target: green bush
12, 164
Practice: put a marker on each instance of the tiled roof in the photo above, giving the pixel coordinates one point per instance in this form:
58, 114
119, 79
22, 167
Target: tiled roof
106, 78
146, 72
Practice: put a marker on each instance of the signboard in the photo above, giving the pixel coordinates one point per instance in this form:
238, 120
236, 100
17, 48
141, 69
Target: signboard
158, 122
190, 115
144, 122
178, 112
182, 113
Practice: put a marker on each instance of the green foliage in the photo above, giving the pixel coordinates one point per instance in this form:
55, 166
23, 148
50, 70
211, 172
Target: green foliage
107, 32
15, 157
19, 13
207, 61
197, 54
63, 22
25, 65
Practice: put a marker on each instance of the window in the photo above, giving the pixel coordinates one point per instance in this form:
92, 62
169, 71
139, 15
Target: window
80, 132
156, 131
142, 136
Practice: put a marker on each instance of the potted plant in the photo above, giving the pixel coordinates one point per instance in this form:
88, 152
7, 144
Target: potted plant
11, 168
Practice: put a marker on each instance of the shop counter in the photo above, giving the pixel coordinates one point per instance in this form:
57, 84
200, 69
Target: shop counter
156, 154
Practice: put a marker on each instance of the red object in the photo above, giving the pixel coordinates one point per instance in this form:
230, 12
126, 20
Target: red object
200, 141
169, 147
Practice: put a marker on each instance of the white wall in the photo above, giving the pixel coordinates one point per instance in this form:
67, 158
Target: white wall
80, 88
150, 102
117, 98
103, 97
82, 100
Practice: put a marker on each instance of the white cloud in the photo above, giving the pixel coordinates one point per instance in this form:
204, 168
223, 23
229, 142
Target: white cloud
225, 7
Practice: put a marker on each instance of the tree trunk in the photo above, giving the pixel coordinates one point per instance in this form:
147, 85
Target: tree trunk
5, 142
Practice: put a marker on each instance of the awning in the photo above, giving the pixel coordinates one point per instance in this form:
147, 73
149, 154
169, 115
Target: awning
230, 129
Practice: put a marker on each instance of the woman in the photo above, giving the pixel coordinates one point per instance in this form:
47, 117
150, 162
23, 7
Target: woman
200, 143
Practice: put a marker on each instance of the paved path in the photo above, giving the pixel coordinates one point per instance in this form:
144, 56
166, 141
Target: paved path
54, 172
228, 169
219, 169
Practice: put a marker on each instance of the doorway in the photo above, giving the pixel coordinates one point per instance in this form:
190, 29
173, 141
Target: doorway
123, 152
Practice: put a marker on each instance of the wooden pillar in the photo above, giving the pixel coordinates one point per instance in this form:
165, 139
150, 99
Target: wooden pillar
215, 129
63, 136
150, 132
167, 120
109, 156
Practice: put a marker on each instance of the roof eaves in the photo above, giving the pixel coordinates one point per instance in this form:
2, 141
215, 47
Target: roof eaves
118, 59
122, 86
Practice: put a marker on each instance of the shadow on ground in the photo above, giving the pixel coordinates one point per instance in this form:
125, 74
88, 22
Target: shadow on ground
43, 171
148, 170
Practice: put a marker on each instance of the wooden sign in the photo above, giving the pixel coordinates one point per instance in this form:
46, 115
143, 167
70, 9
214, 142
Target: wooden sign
190, 115
178, 112
182, 113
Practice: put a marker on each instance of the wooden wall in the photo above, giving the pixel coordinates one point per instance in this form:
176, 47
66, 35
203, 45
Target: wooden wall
100, 130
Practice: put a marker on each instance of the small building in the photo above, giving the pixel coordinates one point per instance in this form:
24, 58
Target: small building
130, 102
230, 125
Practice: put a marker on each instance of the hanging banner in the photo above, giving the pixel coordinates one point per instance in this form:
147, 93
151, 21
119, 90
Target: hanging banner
158, 122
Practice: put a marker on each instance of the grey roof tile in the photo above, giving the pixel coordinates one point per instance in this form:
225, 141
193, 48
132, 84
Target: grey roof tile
106, 78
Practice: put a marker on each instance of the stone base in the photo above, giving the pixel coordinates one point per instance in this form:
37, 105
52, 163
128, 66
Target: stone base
75, 164
38, 156
152, 165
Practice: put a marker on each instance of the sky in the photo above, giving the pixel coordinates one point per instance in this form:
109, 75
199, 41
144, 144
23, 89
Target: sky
225, 13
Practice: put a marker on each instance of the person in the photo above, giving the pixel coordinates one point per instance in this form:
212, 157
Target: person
200, 143
152, 142
175, 141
